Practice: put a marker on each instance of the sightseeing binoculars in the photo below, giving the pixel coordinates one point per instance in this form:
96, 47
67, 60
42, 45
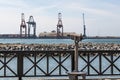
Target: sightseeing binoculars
76, 37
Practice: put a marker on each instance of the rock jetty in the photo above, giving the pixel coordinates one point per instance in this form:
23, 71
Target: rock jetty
38, 47
57, 47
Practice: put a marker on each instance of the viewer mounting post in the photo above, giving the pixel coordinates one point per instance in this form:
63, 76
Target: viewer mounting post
74, 74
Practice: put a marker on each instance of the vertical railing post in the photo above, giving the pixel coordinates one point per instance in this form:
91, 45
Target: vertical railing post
112, 64
100, 63
20, 66
59, 64
72, 62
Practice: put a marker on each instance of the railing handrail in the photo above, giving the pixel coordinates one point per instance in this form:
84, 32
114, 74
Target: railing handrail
50, 51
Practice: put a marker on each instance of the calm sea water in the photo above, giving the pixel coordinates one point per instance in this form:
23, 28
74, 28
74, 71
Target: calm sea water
57, 41
116, 41
37, 41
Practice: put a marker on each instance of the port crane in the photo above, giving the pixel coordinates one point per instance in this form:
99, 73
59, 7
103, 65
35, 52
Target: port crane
23, 27
84, 27
31, 23
59, 26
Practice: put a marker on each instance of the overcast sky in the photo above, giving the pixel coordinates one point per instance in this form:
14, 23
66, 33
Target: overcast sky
102, 17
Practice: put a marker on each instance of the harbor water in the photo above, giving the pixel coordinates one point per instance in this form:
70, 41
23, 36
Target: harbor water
57, 41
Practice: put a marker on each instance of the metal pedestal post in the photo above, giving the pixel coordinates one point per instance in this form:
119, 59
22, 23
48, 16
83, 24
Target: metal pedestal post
74, 75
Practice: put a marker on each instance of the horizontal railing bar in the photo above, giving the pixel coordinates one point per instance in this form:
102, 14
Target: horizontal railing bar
67, 51
48, 51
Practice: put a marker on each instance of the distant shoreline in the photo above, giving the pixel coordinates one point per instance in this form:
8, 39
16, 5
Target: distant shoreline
99, 37
64, 37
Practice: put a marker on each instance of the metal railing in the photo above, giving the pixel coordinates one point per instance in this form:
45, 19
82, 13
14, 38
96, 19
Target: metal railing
58, 63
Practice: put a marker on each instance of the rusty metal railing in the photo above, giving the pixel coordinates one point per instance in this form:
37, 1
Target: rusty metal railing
58, 63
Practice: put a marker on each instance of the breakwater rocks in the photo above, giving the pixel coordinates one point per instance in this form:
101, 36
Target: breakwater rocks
57, 47
38, 47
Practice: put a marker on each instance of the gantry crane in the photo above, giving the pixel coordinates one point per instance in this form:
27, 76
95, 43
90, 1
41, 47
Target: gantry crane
59, 26
23, 27
31, 23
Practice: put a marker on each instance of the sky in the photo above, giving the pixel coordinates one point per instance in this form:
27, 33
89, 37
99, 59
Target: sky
102, 17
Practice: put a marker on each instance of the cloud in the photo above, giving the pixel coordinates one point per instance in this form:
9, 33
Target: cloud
79, 7
12, 3
99, 16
